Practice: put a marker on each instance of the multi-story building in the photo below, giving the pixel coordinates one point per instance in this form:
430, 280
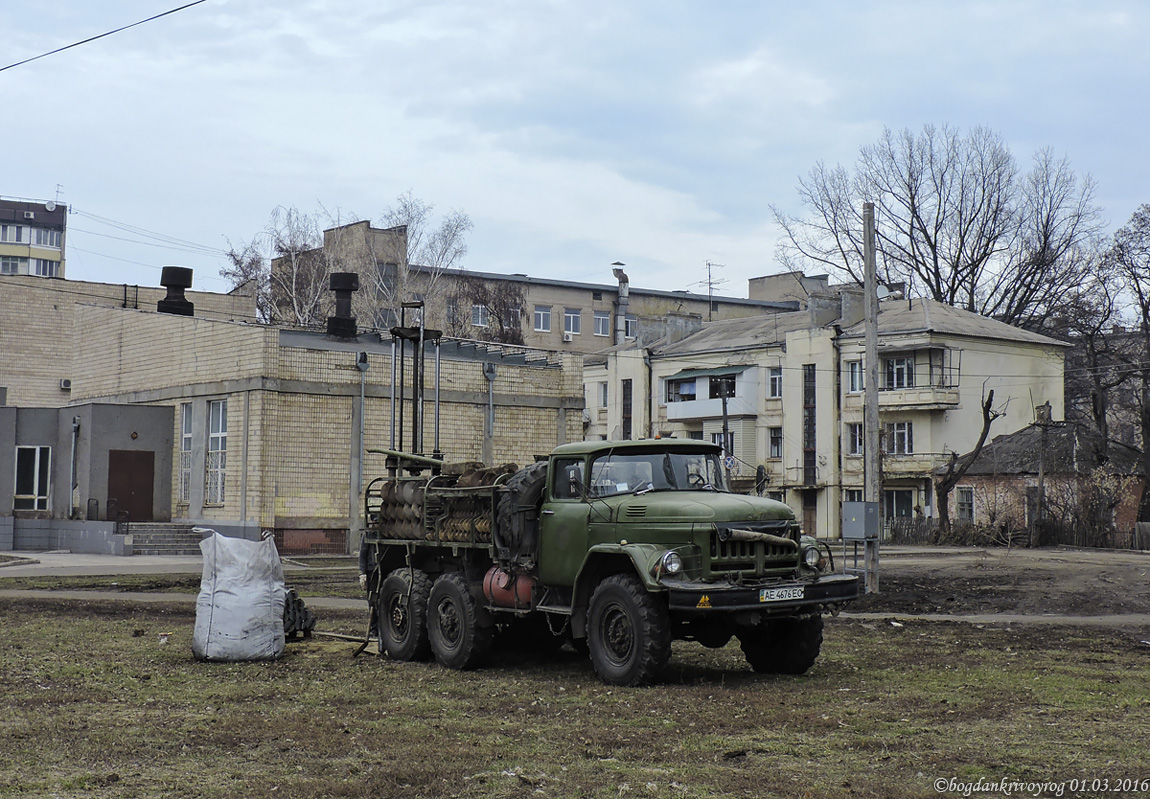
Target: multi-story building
32, 237
787, 390
544, 313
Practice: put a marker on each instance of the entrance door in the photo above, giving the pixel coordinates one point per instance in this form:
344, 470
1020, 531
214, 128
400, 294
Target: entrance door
131, 479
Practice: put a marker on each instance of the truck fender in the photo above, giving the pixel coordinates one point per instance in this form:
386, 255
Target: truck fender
604, 560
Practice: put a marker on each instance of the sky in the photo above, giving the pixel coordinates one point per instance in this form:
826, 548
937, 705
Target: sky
574, 134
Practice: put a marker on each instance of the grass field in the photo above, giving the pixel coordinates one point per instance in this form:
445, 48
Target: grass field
93, 705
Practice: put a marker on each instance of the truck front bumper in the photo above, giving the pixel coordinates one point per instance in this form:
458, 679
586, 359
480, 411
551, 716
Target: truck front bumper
783, 597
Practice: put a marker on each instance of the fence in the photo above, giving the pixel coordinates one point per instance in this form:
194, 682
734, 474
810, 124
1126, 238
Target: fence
924, 531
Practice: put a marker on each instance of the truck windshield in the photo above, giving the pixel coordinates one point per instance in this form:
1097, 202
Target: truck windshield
627, 473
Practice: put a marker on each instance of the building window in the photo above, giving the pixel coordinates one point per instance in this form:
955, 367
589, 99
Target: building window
47, 238
11, 234
511, 318
854, 439
774, 382
543, 318
602, 394
899, 438
46, 268
33, 477
726, 442
853, 495
596, 295
602, 323
695, 435
898, 503
185, 452
480, 316
10, 264
899, 373
217, 451
777, 496
964, 504
723, 386
775, 442
631, 326
681, 390
452, 312
854, 376
571, 321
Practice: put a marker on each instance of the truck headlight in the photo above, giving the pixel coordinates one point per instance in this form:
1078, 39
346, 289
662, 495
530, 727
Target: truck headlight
812, 557
670, 563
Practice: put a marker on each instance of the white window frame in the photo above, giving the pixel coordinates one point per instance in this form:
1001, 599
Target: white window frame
774, 382
10, 264
542, 318
480, 315
572, 321
601, 393
216, 463
39, 497
12, 234
45, 267
728, 446
899, 438
775, 443
630, 326
602, 323
899, 372
855, 440
675, 392
185, 453
852, 495
46, 237
855, 377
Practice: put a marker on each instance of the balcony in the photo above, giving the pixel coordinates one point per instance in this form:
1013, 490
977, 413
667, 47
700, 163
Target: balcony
709, 408
917, 398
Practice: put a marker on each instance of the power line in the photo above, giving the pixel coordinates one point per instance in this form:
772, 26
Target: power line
101, 36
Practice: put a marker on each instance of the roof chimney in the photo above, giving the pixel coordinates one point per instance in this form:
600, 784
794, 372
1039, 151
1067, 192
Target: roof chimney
175, 279
342, 325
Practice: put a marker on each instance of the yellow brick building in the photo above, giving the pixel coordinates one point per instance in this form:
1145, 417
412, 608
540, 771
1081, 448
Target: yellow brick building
266, 420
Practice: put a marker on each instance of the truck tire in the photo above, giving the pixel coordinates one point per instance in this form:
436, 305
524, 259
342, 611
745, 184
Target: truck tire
402, 615
524, 488
628, 632
457, 639
784, 646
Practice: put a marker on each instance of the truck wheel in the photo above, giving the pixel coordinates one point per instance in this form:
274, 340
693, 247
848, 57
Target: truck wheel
524, 488
457, 640
402, 615
784, 646
628, 632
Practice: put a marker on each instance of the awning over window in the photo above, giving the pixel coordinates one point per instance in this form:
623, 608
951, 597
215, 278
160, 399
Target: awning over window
722, 371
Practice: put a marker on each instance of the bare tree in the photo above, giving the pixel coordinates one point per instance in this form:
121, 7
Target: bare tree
1130, 257
957, 467
432, 249
499, 304
248, 271
954, 220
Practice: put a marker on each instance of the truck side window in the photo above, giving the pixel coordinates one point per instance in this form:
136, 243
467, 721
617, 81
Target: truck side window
568, 479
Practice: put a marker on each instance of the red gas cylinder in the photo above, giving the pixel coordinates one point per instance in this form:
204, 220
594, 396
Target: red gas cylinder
507, 590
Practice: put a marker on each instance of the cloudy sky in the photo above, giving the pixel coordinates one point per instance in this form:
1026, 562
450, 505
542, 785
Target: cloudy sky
574, 133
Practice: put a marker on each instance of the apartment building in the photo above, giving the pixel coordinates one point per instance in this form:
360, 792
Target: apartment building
544, 313
788, 388
32, 237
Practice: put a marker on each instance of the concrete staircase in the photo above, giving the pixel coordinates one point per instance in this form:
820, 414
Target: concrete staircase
164, 538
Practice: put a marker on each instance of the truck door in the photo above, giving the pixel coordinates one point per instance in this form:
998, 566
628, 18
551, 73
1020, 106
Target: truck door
563, 522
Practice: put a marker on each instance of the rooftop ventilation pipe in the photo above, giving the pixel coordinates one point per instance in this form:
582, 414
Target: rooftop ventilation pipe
176, 279
342, 325
624, 301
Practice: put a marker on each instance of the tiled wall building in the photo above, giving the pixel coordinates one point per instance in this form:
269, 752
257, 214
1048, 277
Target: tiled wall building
32, 237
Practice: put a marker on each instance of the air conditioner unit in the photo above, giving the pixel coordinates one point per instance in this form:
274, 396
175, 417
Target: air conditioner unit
65, 384
567, 338
29, 214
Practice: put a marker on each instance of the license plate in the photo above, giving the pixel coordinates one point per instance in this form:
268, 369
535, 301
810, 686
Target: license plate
780, 594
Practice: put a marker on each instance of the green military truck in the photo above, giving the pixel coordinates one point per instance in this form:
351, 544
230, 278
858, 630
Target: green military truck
619, 547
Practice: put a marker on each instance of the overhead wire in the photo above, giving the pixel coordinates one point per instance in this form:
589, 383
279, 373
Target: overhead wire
100, 36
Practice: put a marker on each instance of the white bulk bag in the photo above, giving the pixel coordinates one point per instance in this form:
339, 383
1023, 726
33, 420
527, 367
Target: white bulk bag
240, 609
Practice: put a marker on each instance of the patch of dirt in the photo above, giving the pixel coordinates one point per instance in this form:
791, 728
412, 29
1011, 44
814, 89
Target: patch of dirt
1061, 581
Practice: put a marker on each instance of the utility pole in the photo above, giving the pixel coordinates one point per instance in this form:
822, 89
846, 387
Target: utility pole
872, 470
